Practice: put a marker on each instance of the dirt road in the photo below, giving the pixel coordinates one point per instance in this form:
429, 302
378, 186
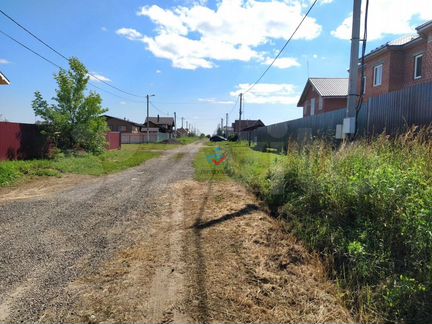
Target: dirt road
152, 245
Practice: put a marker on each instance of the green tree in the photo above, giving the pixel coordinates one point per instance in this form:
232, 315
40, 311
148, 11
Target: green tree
75, 120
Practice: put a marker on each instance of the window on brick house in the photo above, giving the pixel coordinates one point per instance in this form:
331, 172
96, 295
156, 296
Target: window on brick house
122, 128
378, 71
321, 103
418, 64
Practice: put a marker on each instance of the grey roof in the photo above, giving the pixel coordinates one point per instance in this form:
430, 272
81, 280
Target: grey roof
402, 41
161, 120
326, 87
124, 120
331, 87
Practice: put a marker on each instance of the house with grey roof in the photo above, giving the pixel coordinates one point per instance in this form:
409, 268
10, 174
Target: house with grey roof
165, 124
322, 95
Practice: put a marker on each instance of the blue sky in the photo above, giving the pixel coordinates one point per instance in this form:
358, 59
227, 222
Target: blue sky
195, 56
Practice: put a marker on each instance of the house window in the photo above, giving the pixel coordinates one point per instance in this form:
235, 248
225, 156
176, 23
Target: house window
364, 85
378, 71
122, 128
312, 106
418, 64
321, 103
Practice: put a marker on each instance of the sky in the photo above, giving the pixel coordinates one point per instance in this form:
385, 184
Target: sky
195, 56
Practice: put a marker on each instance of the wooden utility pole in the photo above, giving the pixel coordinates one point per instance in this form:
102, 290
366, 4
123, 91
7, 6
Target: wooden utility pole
175, 124
240, 112
226, 124
221, 128
148, 119
182, 121
353, 91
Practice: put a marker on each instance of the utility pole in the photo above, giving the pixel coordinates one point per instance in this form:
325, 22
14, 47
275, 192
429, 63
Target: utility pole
187, 127
182, 121
240, 112
353, 91
226, 124
148, 118
175, 124
221, 128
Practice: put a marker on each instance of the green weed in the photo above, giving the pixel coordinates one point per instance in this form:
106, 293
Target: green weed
366, 207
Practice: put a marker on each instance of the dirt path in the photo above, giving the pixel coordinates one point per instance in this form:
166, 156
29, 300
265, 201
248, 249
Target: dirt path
154, 246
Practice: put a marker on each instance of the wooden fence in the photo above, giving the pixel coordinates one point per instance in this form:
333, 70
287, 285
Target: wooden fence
391, 113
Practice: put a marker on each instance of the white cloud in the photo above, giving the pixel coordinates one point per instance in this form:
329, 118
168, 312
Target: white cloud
4, 61
158, 71
104, 29
123, 102
94, 76
283, 62
197, 36
388, 17
268, 93
215, 101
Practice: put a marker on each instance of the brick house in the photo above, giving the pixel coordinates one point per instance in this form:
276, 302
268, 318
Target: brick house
3, 79
322, 95
122, 125
400, 63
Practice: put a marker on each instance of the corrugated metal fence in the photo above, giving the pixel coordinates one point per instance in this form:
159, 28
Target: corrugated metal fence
391, 113
24, 141
21, 141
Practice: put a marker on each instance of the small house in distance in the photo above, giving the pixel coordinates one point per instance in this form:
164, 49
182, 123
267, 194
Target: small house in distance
246, 125
165, 124
321, 95
182, 132
122, 125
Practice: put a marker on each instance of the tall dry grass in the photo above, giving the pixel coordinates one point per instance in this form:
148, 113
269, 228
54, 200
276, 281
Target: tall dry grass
367, 207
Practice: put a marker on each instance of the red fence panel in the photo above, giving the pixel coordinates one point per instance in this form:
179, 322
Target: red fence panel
24, 141
21, 141
114, 140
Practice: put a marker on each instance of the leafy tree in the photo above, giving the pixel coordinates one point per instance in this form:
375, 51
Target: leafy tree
75, 120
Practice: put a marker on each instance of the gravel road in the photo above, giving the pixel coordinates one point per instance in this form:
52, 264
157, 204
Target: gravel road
47, 242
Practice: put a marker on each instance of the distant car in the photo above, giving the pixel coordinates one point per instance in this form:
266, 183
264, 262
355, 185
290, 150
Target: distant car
217, 138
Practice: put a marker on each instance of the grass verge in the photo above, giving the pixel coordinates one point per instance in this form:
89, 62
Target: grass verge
130, 155
188, 140
367, 208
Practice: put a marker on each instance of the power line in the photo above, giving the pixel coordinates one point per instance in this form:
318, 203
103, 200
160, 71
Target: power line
235, 105
59, 67
154, 106
29, 49
282, 49
64, 57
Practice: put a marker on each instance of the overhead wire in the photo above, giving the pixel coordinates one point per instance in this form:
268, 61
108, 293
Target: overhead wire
64, 57
59, 67
283, 48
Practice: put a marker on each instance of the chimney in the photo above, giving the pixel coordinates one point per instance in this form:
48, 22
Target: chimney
158, 119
